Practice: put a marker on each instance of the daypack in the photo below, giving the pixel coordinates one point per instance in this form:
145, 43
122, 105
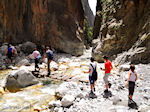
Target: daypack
49, 55
94, 73
10, 50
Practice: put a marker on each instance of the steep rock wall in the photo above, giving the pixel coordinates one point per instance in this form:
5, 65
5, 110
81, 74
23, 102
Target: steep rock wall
57, 23
124, 23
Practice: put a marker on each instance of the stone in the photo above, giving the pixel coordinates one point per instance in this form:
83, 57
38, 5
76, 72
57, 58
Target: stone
27, 47
116, 100
55, 104
124, 68
67, 100
3, 49
20, 79
24, 62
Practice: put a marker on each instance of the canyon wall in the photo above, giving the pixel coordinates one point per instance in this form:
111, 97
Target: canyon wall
57, 23
124, 26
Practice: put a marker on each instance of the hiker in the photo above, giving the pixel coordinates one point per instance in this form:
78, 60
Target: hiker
37, 56
107, 69
92, 75
10, 52
132, 77
49, 55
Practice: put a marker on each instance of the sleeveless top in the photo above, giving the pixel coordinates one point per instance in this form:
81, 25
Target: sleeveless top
132, 76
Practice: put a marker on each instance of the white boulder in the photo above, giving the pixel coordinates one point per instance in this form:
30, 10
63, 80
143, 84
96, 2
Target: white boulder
67, 100
19, 79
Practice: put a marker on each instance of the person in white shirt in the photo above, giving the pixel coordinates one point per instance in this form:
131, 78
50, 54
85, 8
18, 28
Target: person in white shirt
36, 55
132, 77
92, 74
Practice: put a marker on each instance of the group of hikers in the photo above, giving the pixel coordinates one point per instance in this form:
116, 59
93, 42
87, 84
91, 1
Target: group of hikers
37, 56
93, 75
11, 53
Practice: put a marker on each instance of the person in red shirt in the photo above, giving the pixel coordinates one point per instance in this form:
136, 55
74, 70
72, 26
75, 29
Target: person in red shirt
107, 69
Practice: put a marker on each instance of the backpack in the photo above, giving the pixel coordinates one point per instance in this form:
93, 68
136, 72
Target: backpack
94, 73
50, 55
10, 50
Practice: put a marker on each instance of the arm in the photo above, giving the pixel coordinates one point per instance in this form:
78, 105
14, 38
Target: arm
129, 74
136, 77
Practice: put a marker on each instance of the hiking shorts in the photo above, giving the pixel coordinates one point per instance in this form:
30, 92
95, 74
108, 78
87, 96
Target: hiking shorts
105, 78
92, 80
9, 55
131, 87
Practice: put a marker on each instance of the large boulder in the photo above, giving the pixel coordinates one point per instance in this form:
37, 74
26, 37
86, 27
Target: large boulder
24, 62
20, 79
27, 47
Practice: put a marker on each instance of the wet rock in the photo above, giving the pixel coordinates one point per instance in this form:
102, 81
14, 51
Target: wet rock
67, 100
24, 62
19, 79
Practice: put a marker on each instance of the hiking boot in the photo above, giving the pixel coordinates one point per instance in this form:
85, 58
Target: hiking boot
109, 84
94, 89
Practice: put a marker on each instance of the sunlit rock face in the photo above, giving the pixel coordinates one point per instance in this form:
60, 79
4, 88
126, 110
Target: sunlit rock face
123, 26
57, 23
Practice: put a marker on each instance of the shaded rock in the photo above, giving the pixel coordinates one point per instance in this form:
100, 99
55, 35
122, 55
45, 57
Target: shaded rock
27, 47
3, 49
67, 100
24, 62
20, 79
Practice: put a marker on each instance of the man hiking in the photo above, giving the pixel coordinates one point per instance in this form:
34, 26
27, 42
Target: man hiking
107, 69
92, 75
49, 55
37, 56
10, 52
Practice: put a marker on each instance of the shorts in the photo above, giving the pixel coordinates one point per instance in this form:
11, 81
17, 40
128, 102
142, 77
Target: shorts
106, 78
9, 56
131, 87
92, 80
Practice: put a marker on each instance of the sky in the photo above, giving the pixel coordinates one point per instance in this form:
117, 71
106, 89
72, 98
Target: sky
93, 5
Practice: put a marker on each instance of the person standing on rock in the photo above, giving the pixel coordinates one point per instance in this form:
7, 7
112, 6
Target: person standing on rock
107, 69
132, 77
92, 74
37, 56
49, 55
10, 52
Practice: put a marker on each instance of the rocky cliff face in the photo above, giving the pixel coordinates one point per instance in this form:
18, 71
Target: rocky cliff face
88, 12
57, 23
125, 27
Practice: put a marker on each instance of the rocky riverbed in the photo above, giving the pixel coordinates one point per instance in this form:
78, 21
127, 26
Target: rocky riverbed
67, 89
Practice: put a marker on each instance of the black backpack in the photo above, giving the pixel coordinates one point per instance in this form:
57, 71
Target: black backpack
94, 73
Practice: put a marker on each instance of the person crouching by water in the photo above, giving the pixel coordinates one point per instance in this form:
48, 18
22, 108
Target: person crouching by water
92, 75
37, 56
49, 55
132, 77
